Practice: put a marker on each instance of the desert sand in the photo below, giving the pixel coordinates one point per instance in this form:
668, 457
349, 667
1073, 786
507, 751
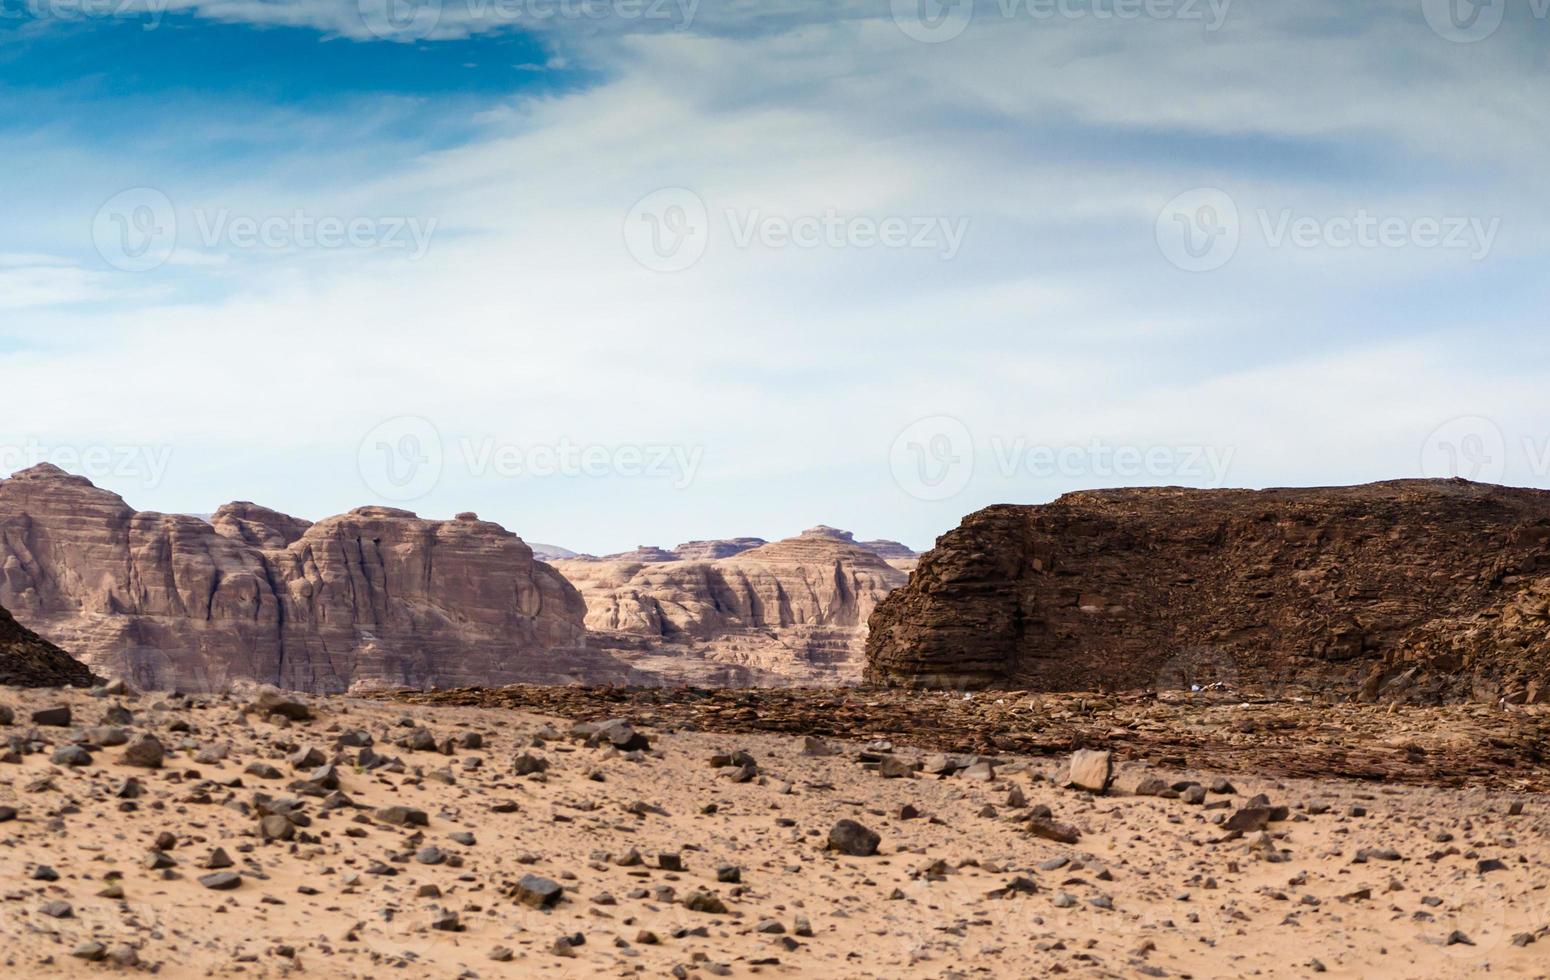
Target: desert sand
673, 852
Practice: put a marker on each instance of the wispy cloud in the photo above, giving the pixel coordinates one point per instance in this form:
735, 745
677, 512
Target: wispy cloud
793, 360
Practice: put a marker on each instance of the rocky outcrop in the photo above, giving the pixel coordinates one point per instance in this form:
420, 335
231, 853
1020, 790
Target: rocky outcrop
258, 526
28, 660
794, 611
643, 554
889, 549
373, 598
716, 549
551, 552
1345, 588
1500, 653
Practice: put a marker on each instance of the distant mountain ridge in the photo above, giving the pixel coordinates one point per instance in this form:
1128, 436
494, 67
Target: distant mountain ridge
788, 612
374, 598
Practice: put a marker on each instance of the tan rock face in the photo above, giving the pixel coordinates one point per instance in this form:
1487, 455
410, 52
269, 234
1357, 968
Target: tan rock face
713, 550
373, 598
794, 611
1171, 588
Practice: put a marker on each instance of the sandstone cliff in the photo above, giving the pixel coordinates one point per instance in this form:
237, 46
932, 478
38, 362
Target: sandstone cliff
373, 598
712, 550
1348, 589
790, 612
28, 660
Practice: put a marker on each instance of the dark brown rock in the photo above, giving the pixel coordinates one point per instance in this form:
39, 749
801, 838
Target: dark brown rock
28, 660
1355, 587
851, 838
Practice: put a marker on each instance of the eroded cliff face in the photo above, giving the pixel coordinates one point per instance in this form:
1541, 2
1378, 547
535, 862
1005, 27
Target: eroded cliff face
373, 598
790, 612
1347, 588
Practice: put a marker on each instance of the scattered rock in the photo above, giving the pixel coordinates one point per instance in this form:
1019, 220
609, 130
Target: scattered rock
144, 751
538, 893
851, 838
1089, 769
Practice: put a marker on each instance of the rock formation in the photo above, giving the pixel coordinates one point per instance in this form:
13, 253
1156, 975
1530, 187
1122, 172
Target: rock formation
28, 660
551, 552
643, 554
790, 612
889, 549
712, 550
1431, 590
373, 598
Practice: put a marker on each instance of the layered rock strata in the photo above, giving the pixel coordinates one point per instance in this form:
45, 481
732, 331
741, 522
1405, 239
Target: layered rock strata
790, 612
374, 598
1439, 586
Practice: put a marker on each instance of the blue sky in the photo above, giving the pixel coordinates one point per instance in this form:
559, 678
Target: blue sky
614, 274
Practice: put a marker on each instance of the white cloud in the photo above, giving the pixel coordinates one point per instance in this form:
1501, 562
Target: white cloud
529, 321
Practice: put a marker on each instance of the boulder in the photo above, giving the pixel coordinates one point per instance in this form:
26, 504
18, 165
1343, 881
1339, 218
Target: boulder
144, 751
1089, 769
851, 838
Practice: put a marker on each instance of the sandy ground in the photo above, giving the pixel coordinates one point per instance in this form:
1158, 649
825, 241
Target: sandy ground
1154, 886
